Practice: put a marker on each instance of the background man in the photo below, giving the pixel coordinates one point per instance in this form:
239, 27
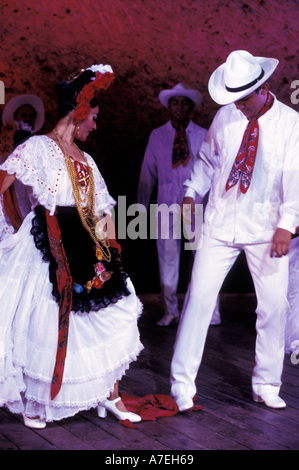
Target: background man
168, 159
28, 109
24, 115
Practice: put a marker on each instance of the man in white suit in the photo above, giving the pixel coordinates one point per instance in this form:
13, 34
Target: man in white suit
249, 163
168, 160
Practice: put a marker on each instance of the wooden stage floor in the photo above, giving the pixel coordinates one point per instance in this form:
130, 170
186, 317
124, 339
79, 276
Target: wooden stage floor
230, 419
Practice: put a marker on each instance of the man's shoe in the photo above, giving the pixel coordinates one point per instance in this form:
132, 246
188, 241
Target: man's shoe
216, 318
168, 320
271, 399
184, 403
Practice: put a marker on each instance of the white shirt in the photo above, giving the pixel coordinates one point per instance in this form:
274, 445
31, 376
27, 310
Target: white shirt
272, 199
157, 165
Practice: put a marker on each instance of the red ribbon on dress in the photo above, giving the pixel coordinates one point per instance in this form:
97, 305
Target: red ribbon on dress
65, 286
10, 203
245, 159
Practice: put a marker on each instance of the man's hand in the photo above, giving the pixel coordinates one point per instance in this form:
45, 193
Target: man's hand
280, 243
187, 209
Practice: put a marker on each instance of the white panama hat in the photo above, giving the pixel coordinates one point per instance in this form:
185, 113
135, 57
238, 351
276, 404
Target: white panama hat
21, 100
180, 90
240, 75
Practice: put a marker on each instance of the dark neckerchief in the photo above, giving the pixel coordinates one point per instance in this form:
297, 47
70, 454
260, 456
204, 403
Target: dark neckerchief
180, 150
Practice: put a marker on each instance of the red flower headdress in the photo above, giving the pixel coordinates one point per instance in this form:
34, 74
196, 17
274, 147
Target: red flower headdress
103, 79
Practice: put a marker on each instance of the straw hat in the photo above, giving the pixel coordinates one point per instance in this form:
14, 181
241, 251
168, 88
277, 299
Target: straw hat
180, 90
22, 100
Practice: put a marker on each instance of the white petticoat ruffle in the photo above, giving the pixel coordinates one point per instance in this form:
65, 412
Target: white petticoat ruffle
101, 345
292, 323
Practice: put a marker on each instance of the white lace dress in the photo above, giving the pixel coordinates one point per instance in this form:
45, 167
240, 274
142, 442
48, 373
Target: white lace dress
292, 325
101, 344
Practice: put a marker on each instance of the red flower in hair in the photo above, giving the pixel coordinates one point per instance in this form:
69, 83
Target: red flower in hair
87, 93
102, 81
82, 110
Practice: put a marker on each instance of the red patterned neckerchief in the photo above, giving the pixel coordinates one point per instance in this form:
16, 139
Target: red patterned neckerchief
243, 166
180, 150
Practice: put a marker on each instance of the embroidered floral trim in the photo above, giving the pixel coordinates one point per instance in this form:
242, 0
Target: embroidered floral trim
101, 276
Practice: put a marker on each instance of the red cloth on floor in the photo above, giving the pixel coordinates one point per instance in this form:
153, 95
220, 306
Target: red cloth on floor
150, 407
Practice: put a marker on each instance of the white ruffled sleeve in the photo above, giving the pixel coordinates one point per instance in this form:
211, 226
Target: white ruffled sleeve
35, 166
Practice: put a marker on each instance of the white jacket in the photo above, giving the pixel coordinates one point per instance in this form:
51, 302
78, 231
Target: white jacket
157, 165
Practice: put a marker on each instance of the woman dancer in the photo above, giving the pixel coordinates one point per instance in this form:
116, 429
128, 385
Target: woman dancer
68, 311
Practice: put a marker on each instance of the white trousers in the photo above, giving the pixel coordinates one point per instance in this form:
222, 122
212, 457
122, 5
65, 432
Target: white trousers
169, 252
212, 262
169, 255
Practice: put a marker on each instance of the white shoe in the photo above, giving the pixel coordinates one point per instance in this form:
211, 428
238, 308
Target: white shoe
34, 423
271, 399
109, 405
184, 403
168, 320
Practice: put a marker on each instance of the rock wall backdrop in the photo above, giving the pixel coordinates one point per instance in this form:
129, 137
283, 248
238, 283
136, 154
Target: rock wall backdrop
151, 45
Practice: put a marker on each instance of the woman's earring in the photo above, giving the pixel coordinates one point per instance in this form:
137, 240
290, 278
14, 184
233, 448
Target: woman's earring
77, 129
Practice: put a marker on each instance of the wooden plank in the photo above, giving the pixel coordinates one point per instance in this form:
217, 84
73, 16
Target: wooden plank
13, 430
121, 434
230, 419
236, 382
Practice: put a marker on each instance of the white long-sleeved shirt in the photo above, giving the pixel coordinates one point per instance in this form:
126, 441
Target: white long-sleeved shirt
272, 199
157, 165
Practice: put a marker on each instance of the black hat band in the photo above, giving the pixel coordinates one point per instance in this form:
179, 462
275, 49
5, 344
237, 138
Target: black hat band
245, 87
